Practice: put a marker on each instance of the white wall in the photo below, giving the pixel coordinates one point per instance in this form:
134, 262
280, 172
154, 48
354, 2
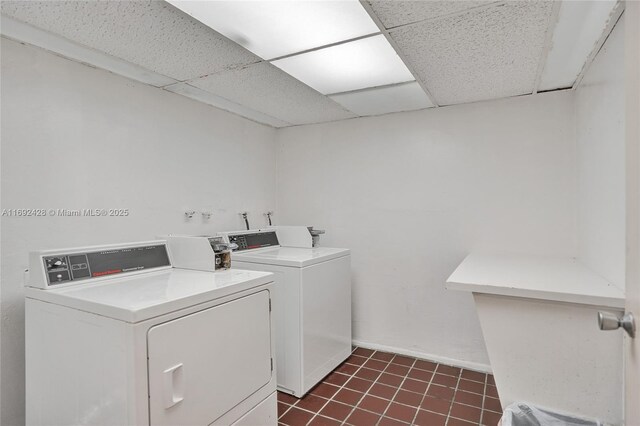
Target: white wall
412, 193
600, 112
78, 137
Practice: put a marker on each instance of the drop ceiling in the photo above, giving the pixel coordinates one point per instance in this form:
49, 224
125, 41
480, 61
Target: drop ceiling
293, 62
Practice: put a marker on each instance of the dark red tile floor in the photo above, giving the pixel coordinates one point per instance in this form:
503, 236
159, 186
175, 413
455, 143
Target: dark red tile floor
380, 388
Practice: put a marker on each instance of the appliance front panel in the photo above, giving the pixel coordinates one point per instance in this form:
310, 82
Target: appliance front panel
201, 365
286, 315
326, 318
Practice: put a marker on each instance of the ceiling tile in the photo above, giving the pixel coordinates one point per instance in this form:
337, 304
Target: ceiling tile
264, 88
382, 100
349, 66
393, 13
200, 95
276, 28
152, 34
481, 54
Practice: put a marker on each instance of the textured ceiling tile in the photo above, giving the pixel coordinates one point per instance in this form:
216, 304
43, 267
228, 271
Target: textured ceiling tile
200, 95
484, 54
152, 34
393, 13
265, 88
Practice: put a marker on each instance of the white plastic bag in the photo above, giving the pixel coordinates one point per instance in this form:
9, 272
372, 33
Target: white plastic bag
520, 414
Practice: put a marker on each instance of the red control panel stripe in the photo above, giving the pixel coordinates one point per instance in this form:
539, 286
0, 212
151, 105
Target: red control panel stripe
108, 272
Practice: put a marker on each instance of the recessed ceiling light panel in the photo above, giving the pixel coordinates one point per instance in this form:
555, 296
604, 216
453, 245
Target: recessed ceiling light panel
274, 28
580, 25
383, 100
350, 66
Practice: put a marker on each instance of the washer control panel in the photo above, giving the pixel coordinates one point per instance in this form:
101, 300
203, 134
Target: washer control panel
254, 240
66, 267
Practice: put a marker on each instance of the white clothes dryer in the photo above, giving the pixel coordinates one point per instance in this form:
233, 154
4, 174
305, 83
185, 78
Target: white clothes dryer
115, 335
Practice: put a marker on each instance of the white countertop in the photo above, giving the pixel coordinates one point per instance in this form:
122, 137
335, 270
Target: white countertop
562, 279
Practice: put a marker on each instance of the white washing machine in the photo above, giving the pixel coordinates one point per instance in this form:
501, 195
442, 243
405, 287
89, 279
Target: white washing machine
312, 304
116, 336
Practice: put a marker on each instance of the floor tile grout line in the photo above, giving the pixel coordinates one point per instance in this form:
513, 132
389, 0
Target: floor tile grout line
415, 416
317, 413
314, 414
454, 396
355, 406
374, 396
367, 391
396, 392
484, 395
411, 367
405, 390
428, 371
410, 391
390, 401
285, 412
339, 388
465, 420
351, 376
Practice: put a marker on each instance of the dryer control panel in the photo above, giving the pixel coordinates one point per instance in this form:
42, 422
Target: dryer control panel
253, 240
65, 266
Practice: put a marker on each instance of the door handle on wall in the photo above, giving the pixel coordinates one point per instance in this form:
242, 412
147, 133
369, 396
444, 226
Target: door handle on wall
173, 386
608, 321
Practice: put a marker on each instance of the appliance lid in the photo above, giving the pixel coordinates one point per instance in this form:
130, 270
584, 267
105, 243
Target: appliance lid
138, 298
290, 256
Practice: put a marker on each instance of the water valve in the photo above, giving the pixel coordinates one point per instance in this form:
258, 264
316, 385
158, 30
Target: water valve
246, 219
268, 215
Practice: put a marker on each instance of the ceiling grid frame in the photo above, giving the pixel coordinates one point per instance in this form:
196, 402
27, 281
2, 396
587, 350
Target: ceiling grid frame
189, 82
231, 106
22, 32
548, 44
617, 13
266, 89
90, 55
315, 49
386, 34
443, 16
